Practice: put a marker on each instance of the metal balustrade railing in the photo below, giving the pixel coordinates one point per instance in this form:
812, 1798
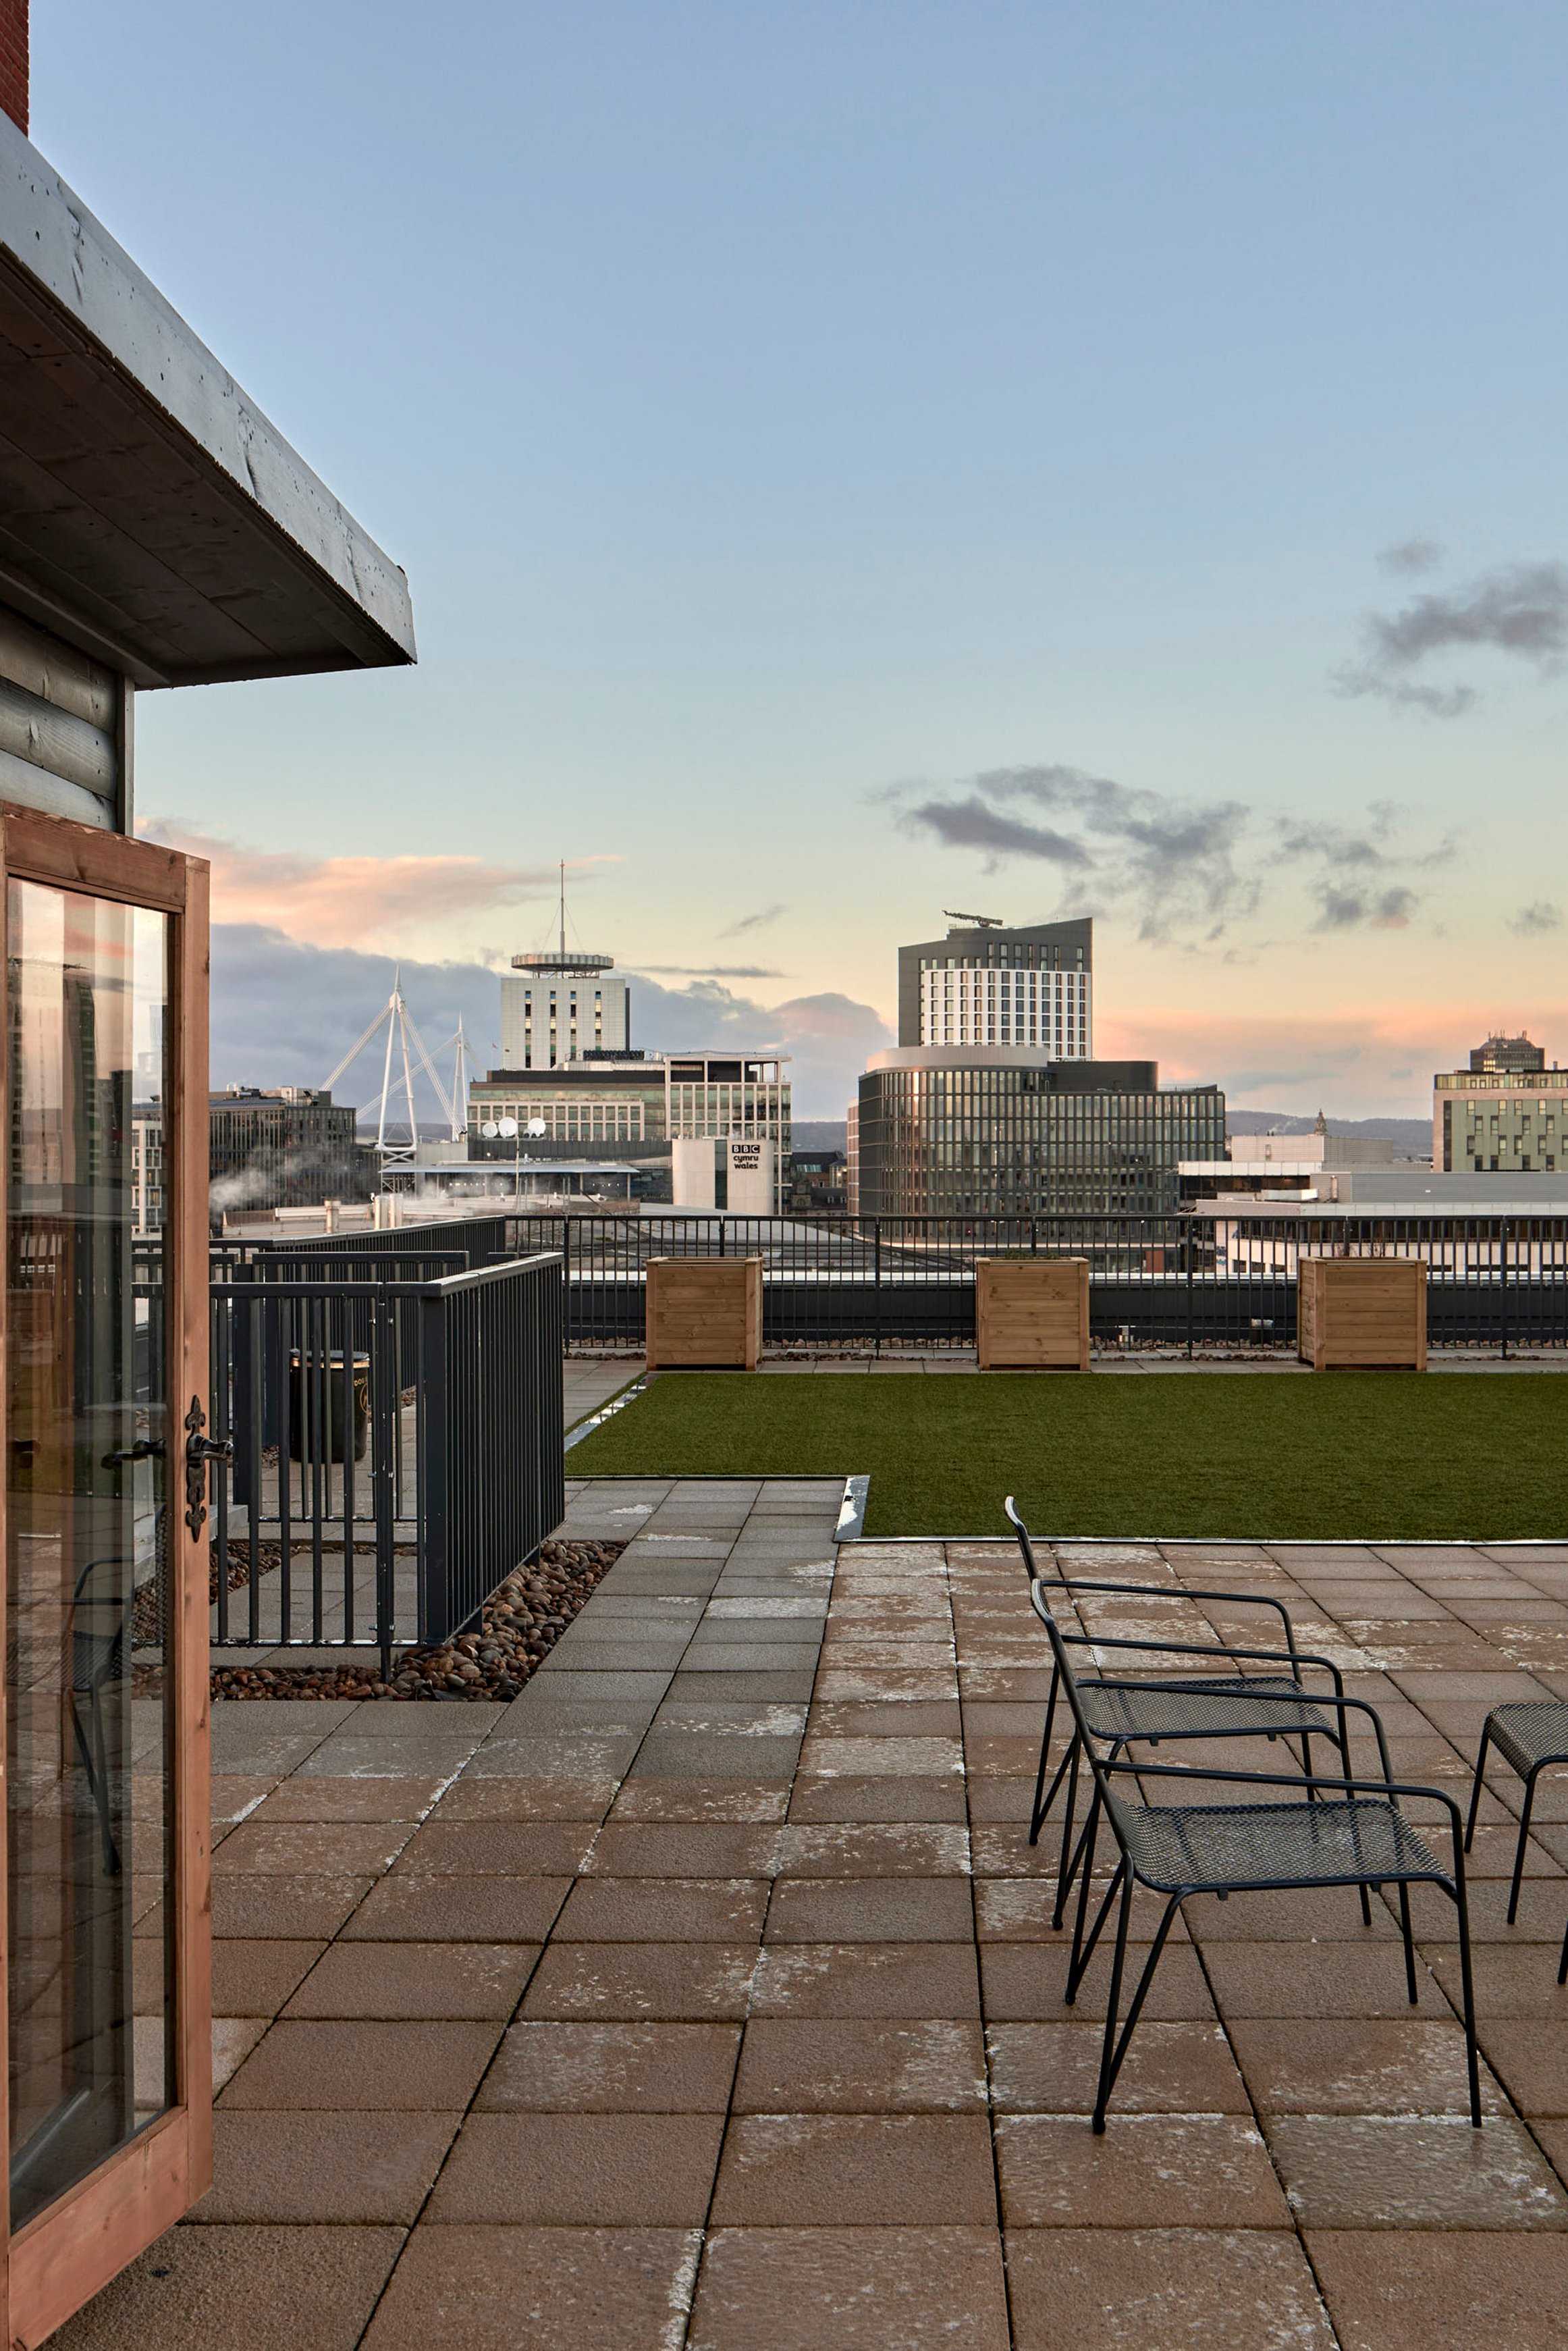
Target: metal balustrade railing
396, 1446
1173, 1280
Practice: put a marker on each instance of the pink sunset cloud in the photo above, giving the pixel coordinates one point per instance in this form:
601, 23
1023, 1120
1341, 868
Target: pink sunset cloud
1348, 1060
354, 902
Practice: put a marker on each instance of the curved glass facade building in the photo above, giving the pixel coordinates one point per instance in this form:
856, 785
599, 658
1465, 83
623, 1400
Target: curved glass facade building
1002, 1131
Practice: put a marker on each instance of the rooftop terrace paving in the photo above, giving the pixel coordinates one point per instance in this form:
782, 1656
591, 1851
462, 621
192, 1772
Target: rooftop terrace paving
705, 1997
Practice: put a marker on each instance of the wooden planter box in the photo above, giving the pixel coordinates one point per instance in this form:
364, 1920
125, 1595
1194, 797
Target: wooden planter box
1031, 1313
1362, 1312
704, 1311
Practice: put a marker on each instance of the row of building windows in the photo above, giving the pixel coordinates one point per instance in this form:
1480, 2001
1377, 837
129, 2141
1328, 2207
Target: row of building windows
991, 1006
955, 1142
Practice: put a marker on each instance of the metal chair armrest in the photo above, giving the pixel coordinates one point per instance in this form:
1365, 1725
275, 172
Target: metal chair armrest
1340, 1703
1293, 1780
1174, 1591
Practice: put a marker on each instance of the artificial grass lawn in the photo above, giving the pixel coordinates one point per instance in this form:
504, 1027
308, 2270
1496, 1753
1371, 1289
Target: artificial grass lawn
1330, 1457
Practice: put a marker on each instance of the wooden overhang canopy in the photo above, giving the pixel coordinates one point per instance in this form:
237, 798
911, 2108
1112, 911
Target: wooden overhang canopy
150, 513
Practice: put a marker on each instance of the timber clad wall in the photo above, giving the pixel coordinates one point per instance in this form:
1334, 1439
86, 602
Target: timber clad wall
14, 61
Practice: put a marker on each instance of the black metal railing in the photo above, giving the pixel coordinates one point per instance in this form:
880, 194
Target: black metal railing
1173, 1280
397, 1447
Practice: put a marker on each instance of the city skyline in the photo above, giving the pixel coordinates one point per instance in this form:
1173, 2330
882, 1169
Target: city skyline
1051, 462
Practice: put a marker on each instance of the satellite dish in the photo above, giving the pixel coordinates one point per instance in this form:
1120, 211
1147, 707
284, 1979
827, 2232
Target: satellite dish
490, 1130
537, 1126
507, 1127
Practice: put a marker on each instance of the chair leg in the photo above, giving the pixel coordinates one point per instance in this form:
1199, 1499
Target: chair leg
1062, 1880
1083, 1949
1043, 1802
1135, 2009
1342, 1744
1071, 1861
1467, 1982
1476, 1790
1409, 1941
1113, 1999
1519, 1849
1041, 1812
1086, 1860
1562, 1962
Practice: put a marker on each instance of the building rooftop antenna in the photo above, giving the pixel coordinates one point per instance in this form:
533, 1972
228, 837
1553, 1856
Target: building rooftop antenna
579, 964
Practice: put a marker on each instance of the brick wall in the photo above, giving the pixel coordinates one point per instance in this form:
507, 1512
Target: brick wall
14, 61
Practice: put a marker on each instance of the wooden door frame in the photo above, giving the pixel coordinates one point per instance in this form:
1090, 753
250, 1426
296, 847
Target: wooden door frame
67, 2252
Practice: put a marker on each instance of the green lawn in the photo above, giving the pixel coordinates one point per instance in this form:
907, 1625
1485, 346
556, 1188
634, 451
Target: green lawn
1463, 1457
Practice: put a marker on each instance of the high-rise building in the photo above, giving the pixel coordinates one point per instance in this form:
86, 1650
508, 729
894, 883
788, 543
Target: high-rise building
562, 1005
1508, 1112
986, 985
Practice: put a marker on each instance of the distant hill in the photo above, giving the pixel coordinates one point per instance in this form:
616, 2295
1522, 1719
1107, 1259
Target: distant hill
1411, 1137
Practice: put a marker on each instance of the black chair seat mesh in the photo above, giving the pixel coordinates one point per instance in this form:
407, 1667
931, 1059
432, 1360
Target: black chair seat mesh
1295, 1843
1530, 1733
1201, 1709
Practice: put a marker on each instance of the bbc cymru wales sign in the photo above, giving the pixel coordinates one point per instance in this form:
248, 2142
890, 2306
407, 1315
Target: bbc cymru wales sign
746, 1156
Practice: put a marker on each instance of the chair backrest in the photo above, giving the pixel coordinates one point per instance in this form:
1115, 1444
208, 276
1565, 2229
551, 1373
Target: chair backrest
1143, 1591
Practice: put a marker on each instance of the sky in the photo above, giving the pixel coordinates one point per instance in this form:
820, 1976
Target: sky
854, 461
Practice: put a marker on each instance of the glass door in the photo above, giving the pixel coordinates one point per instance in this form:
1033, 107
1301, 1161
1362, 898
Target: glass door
107, 1976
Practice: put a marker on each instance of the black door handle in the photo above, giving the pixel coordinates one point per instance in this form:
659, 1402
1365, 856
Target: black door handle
199, 1451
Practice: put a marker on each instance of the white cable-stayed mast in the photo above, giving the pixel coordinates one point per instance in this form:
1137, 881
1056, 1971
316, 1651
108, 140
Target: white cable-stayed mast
403, 1034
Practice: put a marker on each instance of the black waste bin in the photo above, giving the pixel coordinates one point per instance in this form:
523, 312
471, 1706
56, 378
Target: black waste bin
319, 1386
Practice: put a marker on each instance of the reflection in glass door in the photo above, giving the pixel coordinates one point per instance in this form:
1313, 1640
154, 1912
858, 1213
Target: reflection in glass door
89, 1540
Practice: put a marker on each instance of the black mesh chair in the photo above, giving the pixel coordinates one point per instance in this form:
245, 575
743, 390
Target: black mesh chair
1232, 1704
1528, 1735
1340, 1832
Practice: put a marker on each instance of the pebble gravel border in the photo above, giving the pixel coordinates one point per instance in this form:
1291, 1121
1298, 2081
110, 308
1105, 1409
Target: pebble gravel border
519, 1625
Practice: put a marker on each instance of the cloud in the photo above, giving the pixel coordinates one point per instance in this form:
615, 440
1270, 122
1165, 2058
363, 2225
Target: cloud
972, 824
1349, 910
714, 970
757, 922
352, 902
1540, 914
1360, 1061
286, 1012
1361, 881
1409, 556
1173, 863
1519, 611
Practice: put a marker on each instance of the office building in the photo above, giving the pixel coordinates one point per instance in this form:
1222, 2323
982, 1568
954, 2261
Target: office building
289, 1148
628, 1105
1505, 1114
1507, 1056
556, 1006
985, 984
1001, 1131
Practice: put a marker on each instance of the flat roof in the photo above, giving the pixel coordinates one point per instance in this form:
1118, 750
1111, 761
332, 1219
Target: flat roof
150, 513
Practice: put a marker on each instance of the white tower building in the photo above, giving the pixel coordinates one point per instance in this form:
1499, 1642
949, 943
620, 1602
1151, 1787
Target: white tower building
557, 1006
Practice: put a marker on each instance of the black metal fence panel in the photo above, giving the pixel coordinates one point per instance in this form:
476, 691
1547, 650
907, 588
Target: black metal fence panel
491, 1430
397, 1447
1178, 1281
